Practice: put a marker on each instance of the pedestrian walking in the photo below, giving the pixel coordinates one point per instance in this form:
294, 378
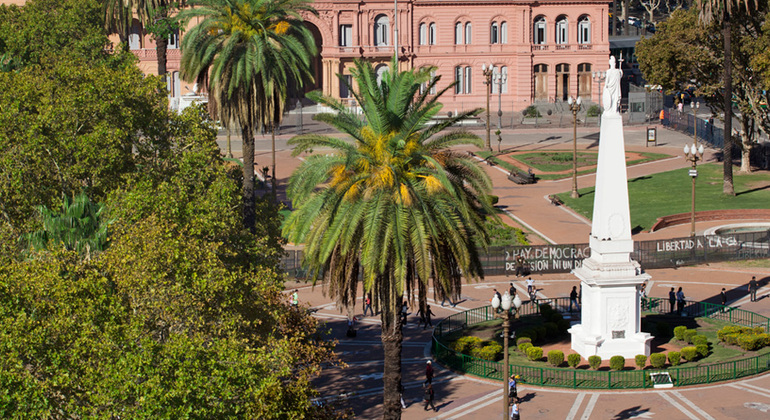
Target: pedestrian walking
401, 394
295, 298
447, 298
520, 263
512, 291
753, 288
530, 286
723, 297
515, 411
368, 304
404, 313
427, 318
499, 297
513, 395
679, 301
573, 298
429, 395
421, 315
672, 299
429, 373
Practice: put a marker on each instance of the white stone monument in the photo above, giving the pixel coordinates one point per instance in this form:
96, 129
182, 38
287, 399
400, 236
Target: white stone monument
610, 280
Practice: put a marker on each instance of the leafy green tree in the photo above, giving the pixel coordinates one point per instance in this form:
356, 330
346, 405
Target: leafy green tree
80, 227
397, 204
248, 51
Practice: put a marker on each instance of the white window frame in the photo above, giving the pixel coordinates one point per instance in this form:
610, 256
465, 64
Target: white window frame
468, 73
423, 34
458, 33
584, 30
458, 80
540, 28
504, 32
562, 31
346, 35
494, 33
468, 33
432, 33
381, 30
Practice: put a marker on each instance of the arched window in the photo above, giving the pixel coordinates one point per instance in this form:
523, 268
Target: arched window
424, 85
458, 80
561, 30
135, 37
540, 33
458, 33
584, 30
463, 79
468, 71
381, 30
381, 70
173, 40
468, 33
432, 34
423, 34
494, 35
504, 33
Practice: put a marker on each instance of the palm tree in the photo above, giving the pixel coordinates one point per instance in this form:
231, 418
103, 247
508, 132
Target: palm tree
396, 204
723, 10
248, 52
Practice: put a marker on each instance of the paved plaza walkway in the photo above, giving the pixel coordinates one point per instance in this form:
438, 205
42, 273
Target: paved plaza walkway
465, 397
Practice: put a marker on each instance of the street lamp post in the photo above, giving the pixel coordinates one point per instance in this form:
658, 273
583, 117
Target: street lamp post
574, 106
693, 155
500, 78
505, 304
487, 72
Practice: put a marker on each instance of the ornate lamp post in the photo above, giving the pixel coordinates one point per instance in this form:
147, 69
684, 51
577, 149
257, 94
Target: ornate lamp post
500, 79
693, 155
505, 304
574, 106
487, 73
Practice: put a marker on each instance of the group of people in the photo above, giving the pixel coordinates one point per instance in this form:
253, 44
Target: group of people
513, 397
676, 300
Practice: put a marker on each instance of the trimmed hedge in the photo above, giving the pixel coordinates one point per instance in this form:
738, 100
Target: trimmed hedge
617, 362
523, 340
689, 334
702, 349
689, 353
524, 346
675, 358
555, 357
751, 342
594, 361
535, 353
489, 352
679, 332
466, 345
573, 360
658, 360
700, 339
640, 360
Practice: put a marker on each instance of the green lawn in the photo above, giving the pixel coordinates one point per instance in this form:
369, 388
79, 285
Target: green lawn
561, 161
669, 193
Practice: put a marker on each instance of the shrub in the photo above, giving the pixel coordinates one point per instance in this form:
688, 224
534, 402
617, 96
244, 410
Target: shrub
593, 111
524, 346
532, 112
674, 357
534, 353
573, 360
640, 360
689, 353
730, 330
679, 332
555, 357
542, 333
617, 362
663, 329
750, 342
731, 338
689, 334
528, 333
551, 330
466, 345
702, 349
555, 317
700, 339
594, 361
563, 325
490, 352
658, 360
521, 340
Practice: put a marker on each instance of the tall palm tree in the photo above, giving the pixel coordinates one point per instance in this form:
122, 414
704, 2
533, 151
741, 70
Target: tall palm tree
723, 10
248, 52
396, 204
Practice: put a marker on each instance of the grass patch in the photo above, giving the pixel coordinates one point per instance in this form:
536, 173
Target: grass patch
668, 193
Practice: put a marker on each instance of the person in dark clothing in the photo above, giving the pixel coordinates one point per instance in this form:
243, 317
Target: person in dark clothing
429, 395
679, 301
512, 291
404, 313
422, 320
672, 299
520, 262
500, 297
368, 304
753, 289
723, 297
428, 314
428, 373
573, 298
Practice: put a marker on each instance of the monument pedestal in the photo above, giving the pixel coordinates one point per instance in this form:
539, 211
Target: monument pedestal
610, 280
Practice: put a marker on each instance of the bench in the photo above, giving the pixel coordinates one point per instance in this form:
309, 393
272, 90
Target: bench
521, 177
555, 200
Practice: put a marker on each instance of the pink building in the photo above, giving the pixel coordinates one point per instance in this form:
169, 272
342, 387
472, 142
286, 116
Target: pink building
542, 51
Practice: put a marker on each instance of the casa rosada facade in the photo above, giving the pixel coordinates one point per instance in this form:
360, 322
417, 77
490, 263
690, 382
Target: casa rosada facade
541, 51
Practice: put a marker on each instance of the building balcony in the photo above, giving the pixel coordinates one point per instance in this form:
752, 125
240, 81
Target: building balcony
148, 54
377, 50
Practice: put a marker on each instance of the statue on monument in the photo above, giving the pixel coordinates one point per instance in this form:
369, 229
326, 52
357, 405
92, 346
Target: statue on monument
611, 93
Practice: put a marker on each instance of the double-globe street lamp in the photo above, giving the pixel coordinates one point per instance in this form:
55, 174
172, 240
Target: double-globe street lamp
500, 79
487, 72
693, 154
574, 106
505, 305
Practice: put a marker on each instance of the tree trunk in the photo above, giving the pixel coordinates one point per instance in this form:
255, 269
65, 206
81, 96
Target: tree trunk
747, 138
161, 47
392, 338
626, 14
727, 149
247, 196
275, 178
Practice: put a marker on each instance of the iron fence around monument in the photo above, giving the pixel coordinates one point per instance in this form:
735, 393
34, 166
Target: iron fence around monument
663, 253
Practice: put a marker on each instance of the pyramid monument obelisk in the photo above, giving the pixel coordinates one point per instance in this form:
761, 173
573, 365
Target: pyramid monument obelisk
610, 280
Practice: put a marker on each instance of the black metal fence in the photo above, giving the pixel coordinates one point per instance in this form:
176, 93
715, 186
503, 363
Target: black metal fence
663, 253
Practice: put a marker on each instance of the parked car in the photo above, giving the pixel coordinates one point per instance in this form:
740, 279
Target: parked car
634, 21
